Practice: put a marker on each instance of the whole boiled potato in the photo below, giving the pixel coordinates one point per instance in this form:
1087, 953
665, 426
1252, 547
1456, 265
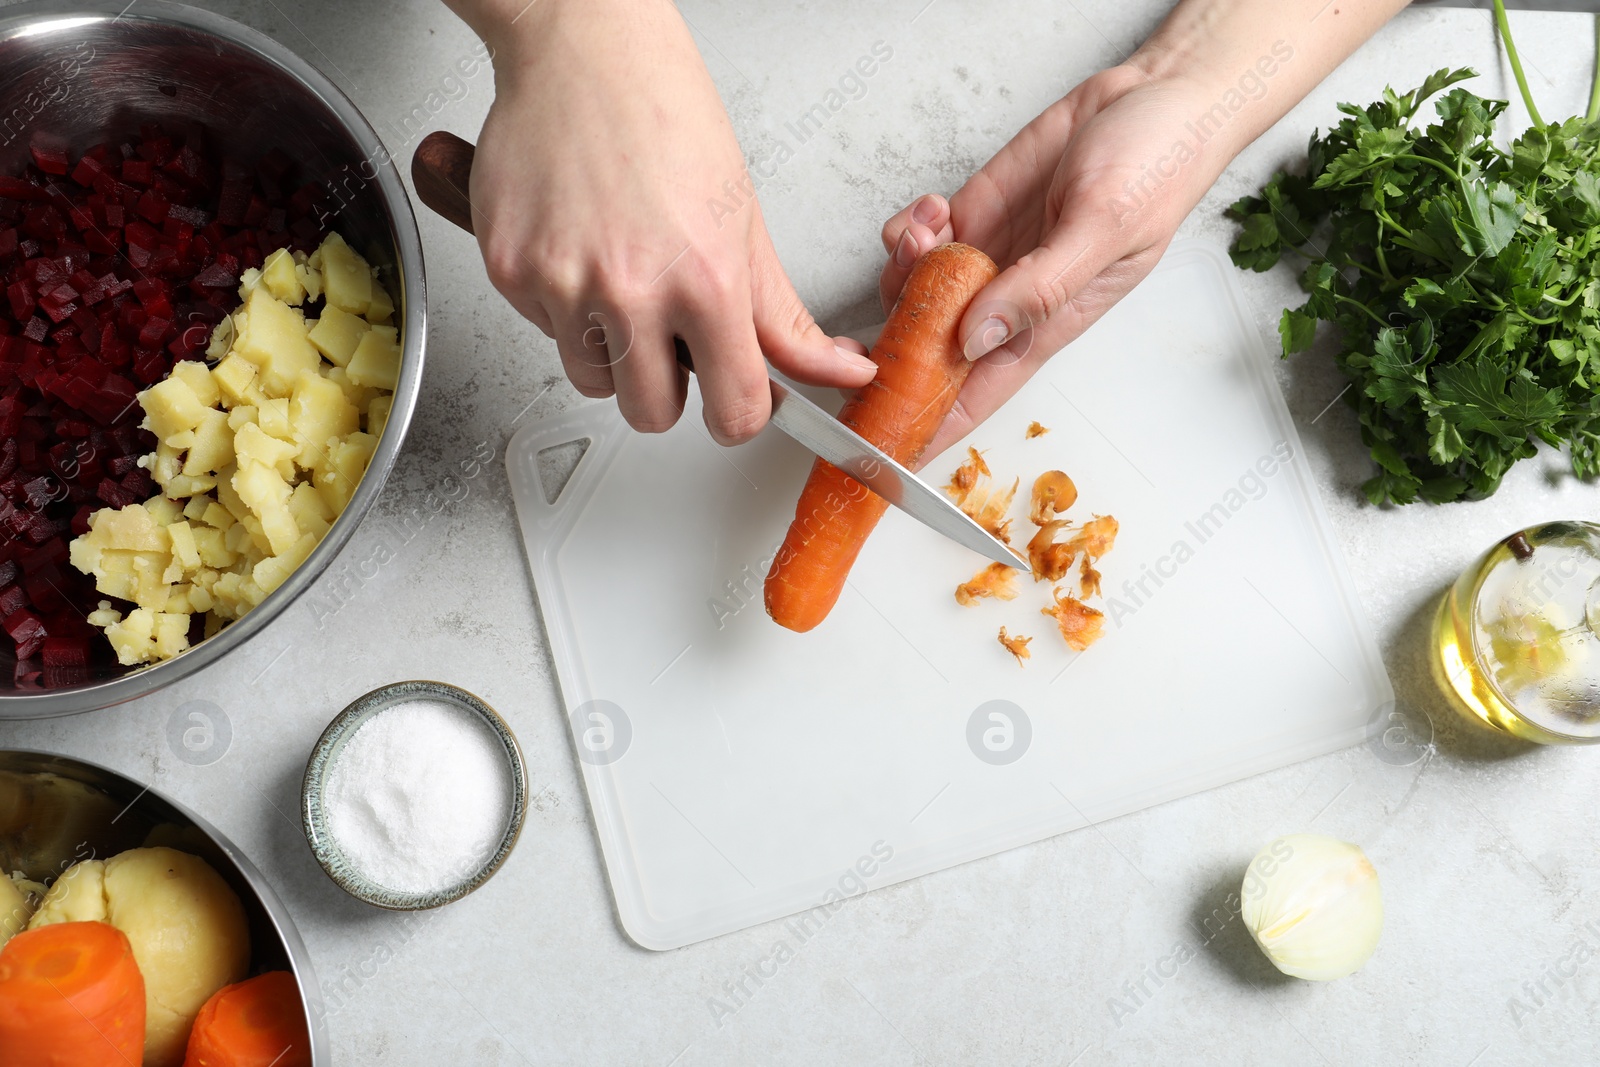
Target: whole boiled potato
78, 896
17, 900
185, 924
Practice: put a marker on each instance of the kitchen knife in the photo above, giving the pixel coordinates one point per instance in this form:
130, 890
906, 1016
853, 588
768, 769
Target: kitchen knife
441, 169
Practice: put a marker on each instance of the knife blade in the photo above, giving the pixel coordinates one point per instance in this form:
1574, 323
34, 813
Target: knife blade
441, 169
821, 433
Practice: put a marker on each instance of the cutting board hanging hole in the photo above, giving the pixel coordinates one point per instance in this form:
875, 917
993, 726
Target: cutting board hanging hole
557, 465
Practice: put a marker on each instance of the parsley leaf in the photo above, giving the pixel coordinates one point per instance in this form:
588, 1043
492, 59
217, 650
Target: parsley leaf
1461, 279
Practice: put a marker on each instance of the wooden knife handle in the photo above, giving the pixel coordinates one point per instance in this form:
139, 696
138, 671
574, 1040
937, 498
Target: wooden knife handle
441, 169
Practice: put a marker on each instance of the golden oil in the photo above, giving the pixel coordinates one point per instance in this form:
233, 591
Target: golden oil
1516, 640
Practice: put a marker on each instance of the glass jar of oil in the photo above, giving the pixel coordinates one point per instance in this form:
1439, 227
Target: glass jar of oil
1517, 639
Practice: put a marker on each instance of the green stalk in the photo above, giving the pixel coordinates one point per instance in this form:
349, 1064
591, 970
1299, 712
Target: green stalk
1504, 25
1594, 93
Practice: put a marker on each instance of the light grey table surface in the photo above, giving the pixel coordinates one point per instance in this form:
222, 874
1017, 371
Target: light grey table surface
1487, 852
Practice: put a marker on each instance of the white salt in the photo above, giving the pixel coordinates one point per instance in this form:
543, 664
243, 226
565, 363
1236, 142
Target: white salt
419, 798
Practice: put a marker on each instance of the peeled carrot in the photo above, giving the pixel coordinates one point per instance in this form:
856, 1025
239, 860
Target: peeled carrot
255, 1023
71, 995
920, 371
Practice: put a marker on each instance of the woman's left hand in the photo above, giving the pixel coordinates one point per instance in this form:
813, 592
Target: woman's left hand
1075, 210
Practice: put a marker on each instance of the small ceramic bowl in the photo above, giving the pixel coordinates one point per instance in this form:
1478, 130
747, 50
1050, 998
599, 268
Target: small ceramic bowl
314, 815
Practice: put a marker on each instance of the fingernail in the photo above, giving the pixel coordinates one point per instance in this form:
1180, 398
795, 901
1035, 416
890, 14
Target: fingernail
925, 211
855, 359
986, 338
905, 253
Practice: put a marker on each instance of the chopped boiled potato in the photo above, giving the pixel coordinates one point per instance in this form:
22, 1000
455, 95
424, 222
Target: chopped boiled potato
266, 493
346, 277
218, 516
131, 529
243, 415
279, 276
272, 571
337, 475
221, 340
164, 464
212, 547
310, 279
197, 376
213, 445
273, 416
236, 377
183, 547
165, 512
252, 444
378, 414
381, 310
147, 635
185, 485
359, 395
256, 454
272, 335
311, 512
376, 361
337, 333
319, 414
170, 407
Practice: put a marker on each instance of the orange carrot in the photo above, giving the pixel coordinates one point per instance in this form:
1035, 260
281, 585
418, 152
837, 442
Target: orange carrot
920, 372
255, 1023
71, 995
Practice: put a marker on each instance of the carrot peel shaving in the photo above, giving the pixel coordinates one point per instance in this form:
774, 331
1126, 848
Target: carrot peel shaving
1051, 560
1053, 491
996, 580
1016, 645
1080, 624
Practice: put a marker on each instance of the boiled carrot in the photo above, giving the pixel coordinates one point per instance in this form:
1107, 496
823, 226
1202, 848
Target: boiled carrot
921, 369
255, 1023
71, 995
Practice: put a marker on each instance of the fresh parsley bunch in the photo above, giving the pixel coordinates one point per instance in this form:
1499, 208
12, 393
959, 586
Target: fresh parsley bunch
1464, 281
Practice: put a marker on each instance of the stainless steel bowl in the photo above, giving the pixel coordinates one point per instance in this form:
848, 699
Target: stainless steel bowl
55, 810
80, 70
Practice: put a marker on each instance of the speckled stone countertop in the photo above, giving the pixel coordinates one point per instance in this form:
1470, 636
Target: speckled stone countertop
1045, 954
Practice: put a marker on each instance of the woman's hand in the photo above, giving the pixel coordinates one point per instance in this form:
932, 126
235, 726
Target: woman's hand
592, 186
1081, 204
1076, 210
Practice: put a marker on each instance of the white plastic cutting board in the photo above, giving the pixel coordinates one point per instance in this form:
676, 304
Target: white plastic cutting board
738, 772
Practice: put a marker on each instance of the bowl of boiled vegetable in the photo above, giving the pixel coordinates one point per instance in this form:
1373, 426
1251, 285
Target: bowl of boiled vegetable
131, 931
211, 340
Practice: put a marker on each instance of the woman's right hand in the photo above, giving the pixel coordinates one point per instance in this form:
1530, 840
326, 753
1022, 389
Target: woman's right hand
593, 191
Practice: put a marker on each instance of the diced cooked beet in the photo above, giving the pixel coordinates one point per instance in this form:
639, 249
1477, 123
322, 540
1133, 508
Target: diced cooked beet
153, 207
138, 172
22, 625
191, 216
114, 495
65, 652
22, 298
21, 189
114, 264
50, 159
44, 590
